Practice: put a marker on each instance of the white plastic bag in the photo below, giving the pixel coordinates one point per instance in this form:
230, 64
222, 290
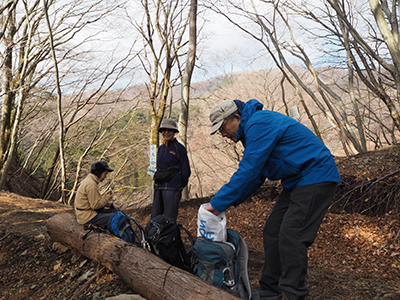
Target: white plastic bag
210, 226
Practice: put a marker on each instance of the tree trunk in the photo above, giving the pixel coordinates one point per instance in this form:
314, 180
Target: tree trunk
50, 173
186, 79
8, 94
141, 270
59, 106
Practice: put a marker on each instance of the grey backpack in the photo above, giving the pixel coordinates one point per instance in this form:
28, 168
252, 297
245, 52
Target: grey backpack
224, 264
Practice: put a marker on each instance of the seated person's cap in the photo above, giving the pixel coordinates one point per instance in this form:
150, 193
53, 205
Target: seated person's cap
220, 112
101, 166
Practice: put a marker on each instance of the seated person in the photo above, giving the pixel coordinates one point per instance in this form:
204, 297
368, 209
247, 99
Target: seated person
90, 206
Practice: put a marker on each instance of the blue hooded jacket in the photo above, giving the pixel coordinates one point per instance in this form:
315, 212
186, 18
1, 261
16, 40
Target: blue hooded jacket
277, 147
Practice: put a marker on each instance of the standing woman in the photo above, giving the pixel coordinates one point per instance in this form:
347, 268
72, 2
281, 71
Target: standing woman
173, 172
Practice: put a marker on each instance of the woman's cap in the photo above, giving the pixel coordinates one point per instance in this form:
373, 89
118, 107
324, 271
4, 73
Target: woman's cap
168, 124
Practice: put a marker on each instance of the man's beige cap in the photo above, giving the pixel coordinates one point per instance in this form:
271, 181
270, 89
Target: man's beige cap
220, 112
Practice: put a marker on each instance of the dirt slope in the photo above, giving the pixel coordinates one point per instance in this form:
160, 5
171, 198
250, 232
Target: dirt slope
354, 256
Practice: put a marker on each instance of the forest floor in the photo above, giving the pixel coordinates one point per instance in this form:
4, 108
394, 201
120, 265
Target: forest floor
355, 256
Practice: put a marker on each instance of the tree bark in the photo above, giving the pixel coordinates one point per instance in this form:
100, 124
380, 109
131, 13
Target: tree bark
141, 270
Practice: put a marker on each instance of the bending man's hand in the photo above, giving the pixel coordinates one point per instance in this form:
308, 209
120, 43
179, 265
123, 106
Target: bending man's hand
211, 209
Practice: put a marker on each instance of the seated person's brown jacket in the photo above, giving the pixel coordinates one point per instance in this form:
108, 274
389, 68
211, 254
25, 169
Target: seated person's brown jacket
88, 199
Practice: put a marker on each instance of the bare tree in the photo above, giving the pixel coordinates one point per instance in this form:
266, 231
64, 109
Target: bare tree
35, 62
163, 30
81, 107
338, 31
186, 79
59, 102
100, 136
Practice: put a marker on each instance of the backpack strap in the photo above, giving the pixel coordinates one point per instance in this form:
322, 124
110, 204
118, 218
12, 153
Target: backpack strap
145, 244
188, 233
122, 230
96, 227
189, 261
243, 257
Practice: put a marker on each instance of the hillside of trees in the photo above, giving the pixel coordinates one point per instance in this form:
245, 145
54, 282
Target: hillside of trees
71, 93
121, 136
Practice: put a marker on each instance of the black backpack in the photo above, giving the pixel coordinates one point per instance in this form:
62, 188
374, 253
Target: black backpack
164, 236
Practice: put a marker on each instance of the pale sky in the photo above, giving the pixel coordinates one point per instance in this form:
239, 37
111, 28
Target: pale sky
222, 47
228, 49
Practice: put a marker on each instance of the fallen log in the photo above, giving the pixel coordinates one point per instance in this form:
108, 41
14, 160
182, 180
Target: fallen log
142, 271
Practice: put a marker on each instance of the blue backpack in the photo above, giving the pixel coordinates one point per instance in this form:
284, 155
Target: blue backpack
224, 264
120, 225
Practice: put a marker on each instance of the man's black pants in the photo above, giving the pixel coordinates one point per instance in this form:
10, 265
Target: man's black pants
104, 215
289, 230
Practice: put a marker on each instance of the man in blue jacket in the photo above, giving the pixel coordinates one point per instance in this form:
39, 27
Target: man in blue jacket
278, 147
